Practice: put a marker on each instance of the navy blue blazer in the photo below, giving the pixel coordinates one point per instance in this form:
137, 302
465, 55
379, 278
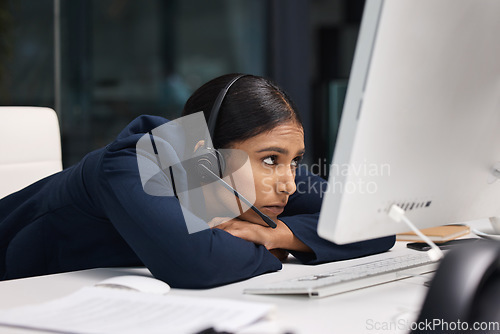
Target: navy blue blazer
96, 214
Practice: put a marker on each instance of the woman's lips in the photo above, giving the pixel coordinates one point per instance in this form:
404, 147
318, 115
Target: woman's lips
274, 209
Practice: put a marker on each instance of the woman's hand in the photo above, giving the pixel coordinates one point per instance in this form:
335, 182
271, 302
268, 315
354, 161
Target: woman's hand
245, 230
278, 239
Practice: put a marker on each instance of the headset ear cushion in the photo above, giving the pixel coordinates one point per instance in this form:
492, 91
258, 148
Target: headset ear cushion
213, 161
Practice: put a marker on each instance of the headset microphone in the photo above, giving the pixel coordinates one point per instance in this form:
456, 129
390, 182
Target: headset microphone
265, 218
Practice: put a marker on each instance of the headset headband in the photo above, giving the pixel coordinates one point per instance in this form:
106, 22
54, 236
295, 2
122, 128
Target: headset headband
212, 121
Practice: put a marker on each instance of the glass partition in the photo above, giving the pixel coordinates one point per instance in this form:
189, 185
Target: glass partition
147, 57
101, 63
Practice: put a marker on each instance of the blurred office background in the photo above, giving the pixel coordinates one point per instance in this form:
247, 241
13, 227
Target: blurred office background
101, 63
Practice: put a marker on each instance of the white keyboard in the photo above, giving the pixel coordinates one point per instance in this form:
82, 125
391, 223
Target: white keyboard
353, 277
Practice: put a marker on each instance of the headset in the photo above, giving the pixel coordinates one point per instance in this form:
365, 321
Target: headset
211, 160
211, 164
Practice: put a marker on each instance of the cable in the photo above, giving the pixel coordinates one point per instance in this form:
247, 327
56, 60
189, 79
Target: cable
397, 214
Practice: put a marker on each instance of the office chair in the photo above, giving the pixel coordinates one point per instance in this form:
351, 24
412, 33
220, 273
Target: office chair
465, 288
30, 146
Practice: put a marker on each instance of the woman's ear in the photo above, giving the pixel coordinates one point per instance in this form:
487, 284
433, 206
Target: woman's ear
199, 144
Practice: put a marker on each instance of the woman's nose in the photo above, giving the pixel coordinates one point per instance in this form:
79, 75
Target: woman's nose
286, 180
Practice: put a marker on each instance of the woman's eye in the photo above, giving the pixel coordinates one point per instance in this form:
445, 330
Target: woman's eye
296, 161
271, 160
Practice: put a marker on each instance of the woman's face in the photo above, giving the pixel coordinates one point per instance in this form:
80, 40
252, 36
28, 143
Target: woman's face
274, 157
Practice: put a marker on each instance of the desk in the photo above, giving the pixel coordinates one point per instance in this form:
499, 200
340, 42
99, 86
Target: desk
360, 311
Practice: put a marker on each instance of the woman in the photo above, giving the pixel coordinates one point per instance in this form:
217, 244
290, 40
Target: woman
97, 214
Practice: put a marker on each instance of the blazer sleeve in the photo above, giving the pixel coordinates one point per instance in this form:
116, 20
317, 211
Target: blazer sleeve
154, 227
302, 215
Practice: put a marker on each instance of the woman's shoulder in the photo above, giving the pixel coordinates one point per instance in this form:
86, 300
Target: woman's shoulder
141, 125
136, 129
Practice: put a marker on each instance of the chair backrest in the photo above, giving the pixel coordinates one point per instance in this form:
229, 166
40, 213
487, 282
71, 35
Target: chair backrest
30, 146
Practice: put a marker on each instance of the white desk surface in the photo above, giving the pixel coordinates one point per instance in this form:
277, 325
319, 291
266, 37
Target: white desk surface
361, 311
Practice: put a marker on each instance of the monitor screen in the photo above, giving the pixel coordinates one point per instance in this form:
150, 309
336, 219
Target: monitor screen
421, 121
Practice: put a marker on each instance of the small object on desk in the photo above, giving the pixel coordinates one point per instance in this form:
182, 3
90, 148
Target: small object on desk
212, 330
437, 234
420, 246
486, 233
495, 223
136, 283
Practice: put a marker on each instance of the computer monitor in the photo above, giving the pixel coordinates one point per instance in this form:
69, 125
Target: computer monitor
421, 122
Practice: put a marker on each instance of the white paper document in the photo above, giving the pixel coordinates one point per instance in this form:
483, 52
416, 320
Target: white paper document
104, 310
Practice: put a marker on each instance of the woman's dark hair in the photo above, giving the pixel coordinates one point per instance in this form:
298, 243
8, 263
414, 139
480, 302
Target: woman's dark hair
253, 105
